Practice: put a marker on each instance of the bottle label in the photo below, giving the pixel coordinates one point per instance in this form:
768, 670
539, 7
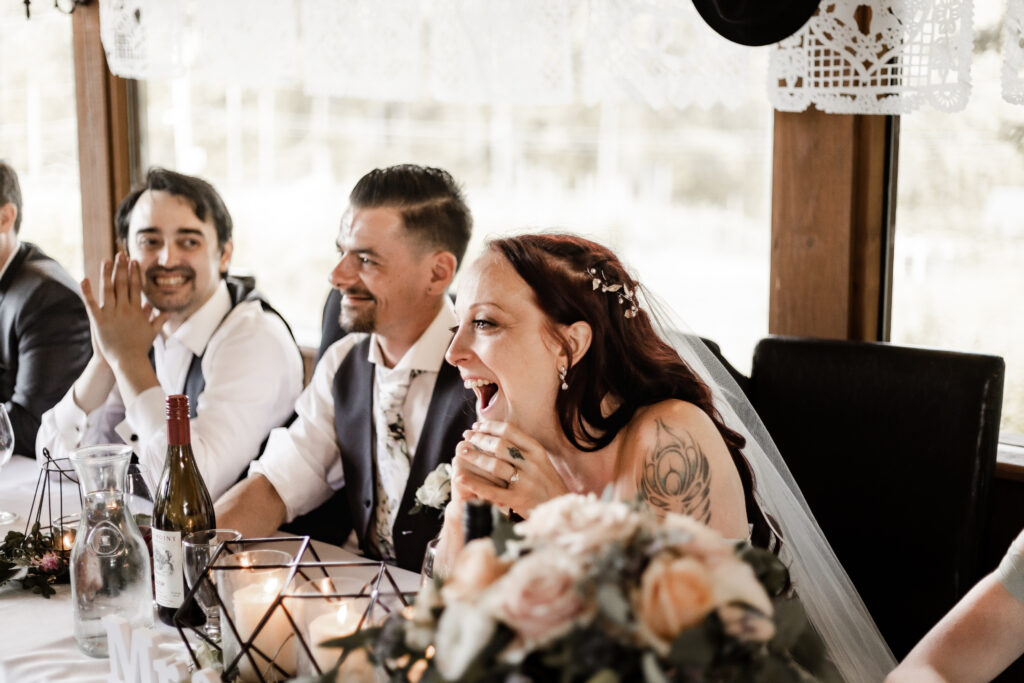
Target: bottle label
167, 568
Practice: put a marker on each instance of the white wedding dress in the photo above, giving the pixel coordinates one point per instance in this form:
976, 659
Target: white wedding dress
832, 603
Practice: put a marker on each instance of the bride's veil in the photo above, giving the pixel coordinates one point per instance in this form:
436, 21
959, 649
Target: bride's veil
829, 597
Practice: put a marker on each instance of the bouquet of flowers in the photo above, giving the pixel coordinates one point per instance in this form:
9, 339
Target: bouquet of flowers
597, 591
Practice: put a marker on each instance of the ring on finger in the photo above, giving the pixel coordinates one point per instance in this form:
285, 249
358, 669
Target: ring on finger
514, 478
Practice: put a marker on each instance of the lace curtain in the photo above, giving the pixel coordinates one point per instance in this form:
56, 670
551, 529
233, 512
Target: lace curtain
853, 56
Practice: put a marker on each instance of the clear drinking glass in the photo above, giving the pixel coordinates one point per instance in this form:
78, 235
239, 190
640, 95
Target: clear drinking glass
429, 560
6, 450
198, 548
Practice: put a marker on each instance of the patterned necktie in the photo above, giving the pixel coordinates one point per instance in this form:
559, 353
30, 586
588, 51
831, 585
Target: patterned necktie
393, 462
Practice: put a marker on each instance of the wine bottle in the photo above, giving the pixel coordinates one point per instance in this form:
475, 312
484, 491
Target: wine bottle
181, 506
477, 519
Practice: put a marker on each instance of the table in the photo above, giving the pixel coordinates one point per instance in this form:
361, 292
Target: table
36, 642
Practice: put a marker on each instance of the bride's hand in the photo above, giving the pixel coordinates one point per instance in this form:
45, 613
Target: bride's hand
502, 464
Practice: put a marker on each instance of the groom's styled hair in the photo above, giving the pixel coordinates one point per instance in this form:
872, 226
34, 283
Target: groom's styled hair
429, 200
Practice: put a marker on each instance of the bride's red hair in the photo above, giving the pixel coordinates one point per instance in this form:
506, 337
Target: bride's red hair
626, 359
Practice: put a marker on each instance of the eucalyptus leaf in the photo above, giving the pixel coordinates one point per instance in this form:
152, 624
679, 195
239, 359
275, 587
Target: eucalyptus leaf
612, 603
693, 647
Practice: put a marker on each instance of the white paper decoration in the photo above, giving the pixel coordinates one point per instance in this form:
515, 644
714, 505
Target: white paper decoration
903, 54
660, 52
362, 48
249, 43
1013, 52
501, 51
144, 39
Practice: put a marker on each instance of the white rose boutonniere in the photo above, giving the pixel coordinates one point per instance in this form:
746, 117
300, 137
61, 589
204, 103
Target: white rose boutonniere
436, 489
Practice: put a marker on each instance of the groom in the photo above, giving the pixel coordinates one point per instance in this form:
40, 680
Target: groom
383, 409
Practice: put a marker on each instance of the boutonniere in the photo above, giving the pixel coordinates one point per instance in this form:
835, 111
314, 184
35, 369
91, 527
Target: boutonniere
436, 490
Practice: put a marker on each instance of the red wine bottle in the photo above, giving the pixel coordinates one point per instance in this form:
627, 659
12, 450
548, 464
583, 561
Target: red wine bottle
182, 505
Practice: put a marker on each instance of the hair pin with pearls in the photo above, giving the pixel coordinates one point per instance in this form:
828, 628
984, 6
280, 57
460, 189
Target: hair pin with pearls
619, 289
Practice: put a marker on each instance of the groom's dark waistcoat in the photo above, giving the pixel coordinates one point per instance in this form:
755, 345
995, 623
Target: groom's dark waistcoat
450, 413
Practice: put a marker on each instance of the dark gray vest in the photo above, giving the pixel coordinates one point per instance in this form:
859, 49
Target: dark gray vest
239, 289
451, 411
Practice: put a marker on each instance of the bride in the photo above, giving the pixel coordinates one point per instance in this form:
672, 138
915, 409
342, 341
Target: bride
577, 391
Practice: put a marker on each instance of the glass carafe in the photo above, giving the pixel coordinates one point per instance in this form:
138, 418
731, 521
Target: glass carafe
109, 562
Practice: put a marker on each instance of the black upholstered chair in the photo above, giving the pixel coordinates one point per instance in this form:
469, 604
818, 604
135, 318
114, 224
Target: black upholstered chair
894, 449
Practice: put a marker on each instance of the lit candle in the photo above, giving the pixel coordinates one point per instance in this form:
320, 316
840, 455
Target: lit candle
337, 624
65, 540
276, 638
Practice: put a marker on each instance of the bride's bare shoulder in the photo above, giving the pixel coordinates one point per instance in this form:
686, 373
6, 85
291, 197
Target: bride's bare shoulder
677, 458
672, 414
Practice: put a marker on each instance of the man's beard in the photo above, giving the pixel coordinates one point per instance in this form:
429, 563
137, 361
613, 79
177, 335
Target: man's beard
362, 320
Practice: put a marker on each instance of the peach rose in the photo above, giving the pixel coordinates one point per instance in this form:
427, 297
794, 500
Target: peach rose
693, 538
580, 524
675, 594
538, 597
476, 568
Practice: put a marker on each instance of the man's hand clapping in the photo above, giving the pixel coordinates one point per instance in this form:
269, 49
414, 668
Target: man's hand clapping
123, 326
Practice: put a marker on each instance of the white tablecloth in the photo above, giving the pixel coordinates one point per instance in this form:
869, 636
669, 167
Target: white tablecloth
36, 642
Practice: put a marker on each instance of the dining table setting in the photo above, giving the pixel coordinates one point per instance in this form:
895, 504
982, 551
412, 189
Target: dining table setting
37, 632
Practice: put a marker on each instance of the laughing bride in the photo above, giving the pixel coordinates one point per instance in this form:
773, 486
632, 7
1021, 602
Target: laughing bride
577, 391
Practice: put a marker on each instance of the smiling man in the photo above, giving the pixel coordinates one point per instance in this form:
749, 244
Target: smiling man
168, 319
383, 410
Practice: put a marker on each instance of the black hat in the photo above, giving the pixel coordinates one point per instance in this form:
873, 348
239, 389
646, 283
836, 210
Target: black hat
756, 22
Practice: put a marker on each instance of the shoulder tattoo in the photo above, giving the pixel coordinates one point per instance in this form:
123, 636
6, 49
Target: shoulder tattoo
675, 475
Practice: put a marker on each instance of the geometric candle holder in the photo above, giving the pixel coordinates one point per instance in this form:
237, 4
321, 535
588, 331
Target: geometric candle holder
277, 606
61, 528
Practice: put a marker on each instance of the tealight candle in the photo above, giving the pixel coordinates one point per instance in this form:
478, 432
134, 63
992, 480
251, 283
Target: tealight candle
65, 540
335, 624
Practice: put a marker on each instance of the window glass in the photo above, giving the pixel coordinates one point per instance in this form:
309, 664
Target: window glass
38, 127
682, 196
959, 248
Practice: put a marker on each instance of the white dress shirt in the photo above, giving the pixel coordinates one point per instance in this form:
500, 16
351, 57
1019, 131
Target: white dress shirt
253, 374
303, 462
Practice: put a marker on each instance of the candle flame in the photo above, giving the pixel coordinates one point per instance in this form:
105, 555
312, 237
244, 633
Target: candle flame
342, 613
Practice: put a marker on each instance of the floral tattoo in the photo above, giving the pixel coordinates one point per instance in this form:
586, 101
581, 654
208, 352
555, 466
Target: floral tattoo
676, 476
515, 453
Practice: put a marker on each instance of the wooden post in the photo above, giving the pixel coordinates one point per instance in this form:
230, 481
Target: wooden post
107, 129
830, 214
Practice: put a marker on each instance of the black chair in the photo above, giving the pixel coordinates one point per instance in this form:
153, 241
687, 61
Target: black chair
894, 449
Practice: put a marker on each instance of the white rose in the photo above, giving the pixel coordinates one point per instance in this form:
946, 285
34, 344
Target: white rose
436, 488
462, 633
579, 524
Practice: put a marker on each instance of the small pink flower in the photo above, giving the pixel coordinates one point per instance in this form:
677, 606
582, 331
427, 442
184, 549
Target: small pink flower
50, 562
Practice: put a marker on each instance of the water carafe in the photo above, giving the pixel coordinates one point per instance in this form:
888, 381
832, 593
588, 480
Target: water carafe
109, 561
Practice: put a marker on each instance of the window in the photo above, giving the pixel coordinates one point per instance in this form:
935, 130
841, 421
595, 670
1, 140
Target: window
38, 133
682, 196
959, 249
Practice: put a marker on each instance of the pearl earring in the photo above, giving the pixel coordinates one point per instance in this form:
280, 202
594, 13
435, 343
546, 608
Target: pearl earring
561, 375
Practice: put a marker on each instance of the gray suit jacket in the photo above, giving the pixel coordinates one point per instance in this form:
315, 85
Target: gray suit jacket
44, 340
